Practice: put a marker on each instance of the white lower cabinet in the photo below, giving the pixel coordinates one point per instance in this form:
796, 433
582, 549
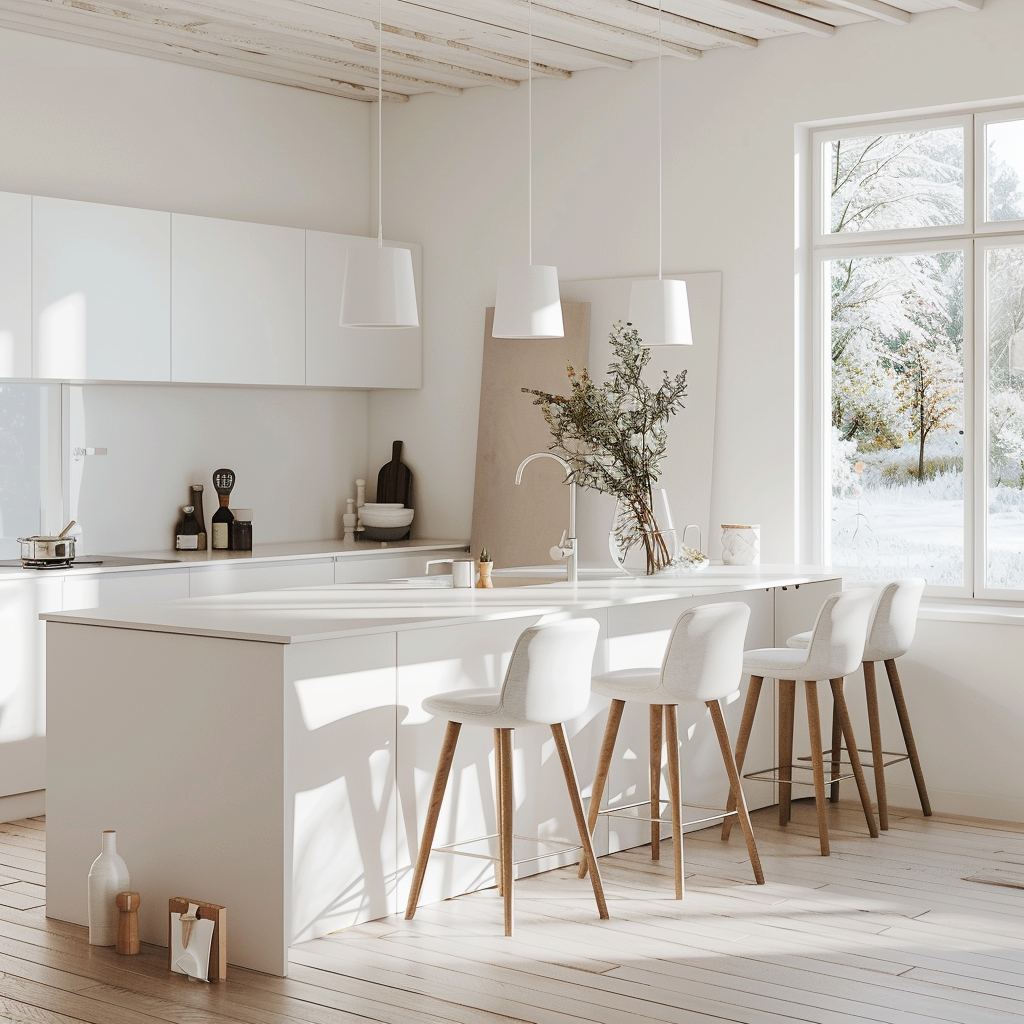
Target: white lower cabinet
101, 590
379, 568
23, 682
232, 578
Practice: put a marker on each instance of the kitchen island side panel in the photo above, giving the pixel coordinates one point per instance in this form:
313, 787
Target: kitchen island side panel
177, 743
341, 804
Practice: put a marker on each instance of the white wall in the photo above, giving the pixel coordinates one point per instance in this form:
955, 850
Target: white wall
455, 181
77, 122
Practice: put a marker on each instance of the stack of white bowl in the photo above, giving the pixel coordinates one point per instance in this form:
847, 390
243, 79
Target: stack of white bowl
385, 521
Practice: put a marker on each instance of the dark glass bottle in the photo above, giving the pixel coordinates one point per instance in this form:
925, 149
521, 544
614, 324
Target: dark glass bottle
220, 524
195, 498
187, 533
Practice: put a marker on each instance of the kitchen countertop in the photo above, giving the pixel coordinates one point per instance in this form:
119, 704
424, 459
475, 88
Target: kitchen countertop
342, 610
295, 550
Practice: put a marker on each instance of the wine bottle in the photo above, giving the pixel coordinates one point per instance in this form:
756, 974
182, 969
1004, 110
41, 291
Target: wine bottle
220, 523
195, 499
187, 535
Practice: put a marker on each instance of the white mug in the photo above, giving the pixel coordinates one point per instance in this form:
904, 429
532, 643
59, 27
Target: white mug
463, 570
741, 545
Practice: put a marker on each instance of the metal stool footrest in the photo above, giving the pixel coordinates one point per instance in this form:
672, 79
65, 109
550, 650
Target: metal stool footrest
867, 757
772, 775
622, 812
561, 846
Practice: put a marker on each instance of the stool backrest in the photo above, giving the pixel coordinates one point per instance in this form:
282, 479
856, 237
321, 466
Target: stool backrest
548, 678
894, 620
704, 659
840, 632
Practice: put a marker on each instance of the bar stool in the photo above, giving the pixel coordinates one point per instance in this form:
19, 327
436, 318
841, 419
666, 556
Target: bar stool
835, 650
703, 662
547, 683
890, 634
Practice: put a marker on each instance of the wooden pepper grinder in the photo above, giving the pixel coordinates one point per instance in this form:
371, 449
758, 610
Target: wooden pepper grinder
128, 922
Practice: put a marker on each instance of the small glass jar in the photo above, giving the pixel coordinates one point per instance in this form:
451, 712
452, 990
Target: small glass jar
241, 529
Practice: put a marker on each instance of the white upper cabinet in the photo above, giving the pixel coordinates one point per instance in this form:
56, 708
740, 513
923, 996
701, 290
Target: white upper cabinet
354, 357
15, 285
101, 281
238, 306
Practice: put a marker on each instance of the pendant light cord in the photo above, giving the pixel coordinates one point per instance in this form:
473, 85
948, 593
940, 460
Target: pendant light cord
529, 134
380, 125
660, 214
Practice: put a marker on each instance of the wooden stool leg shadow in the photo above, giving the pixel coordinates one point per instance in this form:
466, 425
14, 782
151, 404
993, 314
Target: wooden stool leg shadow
908, 735
604, 761
839, 703
572, 785
742, 740
734, 787
444, 767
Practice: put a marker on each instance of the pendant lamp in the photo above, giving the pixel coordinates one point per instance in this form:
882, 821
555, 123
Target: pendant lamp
527, 304
659, 309
380, 290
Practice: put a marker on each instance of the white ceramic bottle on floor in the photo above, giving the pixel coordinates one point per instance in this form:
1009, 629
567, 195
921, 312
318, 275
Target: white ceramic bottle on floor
107, 877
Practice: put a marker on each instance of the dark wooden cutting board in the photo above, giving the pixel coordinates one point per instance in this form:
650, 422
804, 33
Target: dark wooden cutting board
394, 481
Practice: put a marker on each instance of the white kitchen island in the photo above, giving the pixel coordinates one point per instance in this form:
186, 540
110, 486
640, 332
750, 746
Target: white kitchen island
269, 752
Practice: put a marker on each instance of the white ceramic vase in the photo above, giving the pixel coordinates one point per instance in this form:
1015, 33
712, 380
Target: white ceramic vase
741, 545
107, 877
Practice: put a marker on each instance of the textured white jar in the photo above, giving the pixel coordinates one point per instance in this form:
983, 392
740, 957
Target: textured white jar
107, 877
741, 545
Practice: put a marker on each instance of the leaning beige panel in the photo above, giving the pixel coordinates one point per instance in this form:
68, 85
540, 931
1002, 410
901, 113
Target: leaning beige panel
520, 524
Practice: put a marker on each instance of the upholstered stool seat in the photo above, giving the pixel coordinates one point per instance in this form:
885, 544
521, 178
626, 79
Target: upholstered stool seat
890, 634
547, 683
835, 649
702, 664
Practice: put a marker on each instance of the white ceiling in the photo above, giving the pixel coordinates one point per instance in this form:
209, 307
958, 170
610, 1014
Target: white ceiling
441, 46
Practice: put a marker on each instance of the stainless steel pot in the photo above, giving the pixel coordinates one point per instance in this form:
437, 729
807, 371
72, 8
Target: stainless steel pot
37, 552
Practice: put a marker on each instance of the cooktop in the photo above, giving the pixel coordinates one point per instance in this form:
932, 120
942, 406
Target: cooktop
88, 562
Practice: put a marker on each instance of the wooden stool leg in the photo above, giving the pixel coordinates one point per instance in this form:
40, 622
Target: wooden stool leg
908, 734
657, 714
877, 757
565, 756
604, 760
734, 787
837, 753
787, 712
507, 826
742, 739
675, 794
818, 762
444, 767
839, 700
498, 801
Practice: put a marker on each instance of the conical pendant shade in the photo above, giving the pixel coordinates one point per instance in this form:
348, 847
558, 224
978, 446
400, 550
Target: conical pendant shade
380, 290
527, 305
660, 312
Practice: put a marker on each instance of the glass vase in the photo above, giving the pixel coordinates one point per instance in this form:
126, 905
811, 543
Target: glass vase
107, 877
643, 540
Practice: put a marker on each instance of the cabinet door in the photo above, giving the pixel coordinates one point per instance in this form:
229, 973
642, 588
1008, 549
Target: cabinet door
23, 682
237, 302
211, 580
103, 589
354, 357
101, 280
15, 285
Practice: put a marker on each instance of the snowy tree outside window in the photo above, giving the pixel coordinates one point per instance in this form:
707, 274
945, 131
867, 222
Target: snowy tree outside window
899, 249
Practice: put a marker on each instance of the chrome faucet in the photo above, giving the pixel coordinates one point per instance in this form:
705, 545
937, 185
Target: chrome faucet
566, 547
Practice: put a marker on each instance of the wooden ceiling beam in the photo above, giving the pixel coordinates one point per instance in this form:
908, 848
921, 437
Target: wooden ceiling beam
670, 45
780, 16
967, 5
193, 57
671, 18
876, 9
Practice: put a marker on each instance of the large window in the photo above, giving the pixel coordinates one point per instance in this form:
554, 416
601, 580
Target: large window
919, 246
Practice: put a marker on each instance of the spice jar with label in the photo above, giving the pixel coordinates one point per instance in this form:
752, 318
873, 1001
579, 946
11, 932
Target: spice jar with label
241, 529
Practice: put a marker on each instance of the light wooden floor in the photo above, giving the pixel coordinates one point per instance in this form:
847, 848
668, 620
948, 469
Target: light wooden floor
884, 930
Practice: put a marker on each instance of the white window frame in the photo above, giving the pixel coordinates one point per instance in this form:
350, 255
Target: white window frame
983, 225
821, 214
975, 237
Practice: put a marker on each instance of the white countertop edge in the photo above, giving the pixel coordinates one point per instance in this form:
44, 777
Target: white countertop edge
286, 551
536, 601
